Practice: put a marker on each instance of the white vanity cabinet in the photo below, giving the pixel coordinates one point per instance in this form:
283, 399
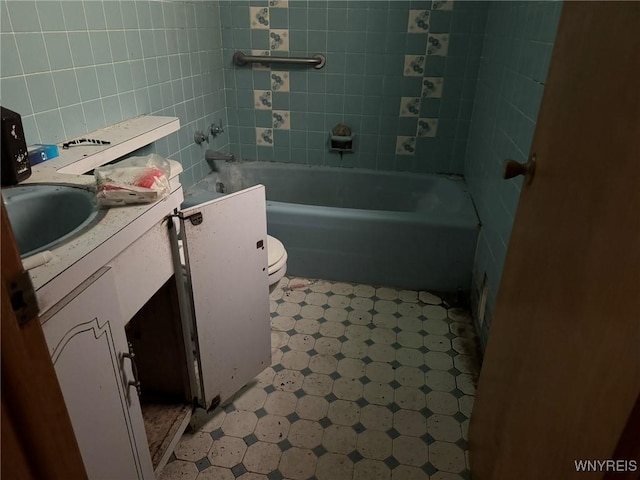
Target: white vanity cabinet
89, 351
199, 333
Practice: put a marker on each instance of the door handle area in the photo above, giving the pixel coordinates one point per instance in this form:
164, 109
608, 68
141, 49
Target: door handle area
136, 381
511, 169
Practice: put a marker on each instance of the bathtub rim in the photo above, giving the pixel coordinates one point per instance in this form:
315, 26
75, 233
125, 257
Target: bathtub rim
390, 216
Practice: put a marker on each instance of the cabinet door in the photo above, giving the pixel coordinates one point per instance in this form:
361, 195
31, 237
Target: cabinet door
87, 341
225, 244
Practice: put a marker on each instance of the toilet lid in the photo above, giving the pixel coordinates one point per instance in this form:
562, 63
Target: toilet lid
275, 251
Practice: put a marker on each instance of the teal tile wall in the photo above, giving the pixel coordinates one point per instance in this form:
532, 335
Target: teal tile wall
517, 50
401, 74
70, 67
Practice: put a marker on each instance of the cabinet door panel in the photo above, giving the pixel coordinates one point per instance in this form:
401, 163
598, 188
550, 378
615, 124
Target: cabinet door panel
86, 339
227, 270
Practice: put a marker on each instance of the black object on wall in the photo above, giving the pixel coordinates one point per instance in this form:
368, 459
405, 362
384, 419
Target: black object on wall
15, 159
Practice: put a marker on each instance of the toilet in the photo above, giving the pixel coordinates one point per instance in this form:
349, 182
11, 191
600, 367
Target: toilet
276, 253
277, 261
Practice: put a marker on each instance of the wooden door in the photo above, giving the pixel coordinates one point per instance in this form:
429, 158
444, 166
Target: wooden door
225, 244
89, 351
561, 372
37, 437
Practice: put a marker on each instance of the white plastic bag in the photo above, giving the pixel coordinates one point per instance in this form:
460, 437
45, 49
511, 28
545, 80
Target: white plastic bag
133, 181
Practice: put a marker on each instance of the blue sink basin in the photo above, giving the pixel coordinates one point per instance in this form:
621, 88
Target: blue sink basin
43, 216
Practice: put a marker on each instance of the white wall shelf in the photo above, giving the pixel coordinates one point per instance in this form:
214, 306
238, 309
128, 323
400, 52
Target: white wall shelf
125, 137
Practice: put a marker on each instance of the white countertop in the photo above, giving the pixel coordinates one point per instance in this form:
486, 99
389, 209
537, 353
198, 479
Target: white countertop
116, 228
75, 260
124, 137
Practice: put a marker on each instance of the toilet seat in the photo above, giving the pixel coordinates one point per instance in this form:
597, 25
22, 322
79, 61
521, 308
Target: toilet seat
277, 255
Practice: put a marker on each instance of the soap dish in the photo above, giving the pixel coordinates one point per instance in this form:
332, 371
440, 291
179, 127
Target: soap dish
339, 143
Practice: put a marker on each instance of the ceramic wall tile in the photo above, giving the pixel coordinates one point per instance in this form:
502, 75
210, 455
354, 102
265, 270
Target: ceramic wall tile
427, 127
259, 18
442, 5
437, 44
129, 58
406, 145
279, 40
376, 58
432, 87
418, 21
281, 119
509, 28
409, 107
414, 65
280, 81
263, 99
264, 137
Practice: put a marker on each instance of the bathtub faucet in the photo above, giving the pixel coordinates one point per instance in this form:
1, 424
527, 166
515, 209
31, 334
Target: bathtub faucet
216, 155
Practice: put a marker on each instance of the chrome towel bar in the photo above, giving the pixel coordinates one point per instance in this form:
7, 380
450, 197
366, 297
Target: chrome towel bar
317, 61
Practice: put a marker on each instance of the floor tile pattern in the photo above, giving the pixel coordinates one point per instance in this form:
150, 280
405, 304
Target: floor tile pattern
366, 384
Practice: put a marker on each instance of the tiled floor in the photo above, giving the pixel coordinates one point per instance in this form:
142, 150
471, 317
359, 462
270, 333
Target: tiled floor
366, 384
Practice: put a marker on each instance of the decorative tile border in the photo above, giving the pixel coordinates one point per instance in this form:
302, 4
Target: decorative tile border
442, 5
261, 53
410, 106
263, 99
405, 145
427, 127
432, 87
418, 21
414, 65
437, 44
281, 119
280, 81
279, 40
264, 137
259, 18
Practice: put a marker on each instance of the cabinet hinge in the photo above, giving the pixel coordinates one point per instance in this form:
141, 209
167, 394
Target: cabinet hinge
23, 298
195, 219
